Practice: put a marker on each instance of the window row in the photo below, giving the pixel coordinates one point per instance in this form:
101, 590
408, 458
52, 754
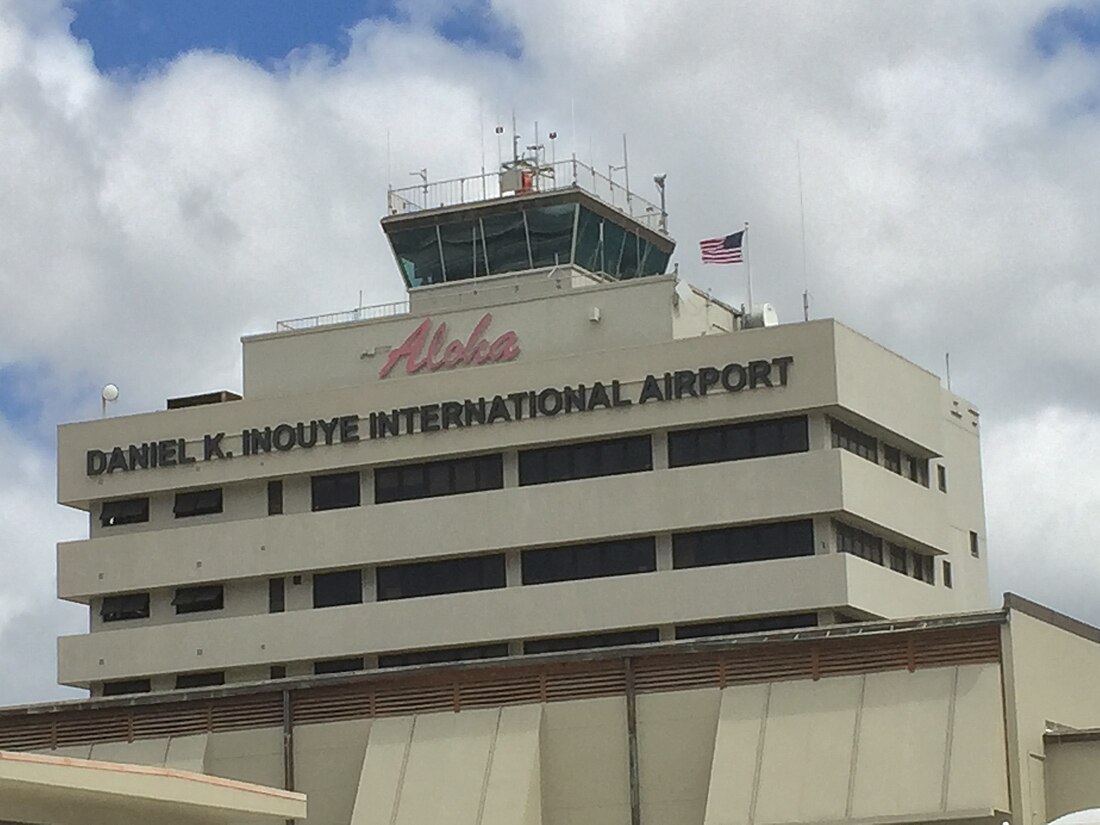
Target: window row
731, 442
754, 542
618, 557
136, 510
496, 650
847, 437
589, 459
185, 600
900, 559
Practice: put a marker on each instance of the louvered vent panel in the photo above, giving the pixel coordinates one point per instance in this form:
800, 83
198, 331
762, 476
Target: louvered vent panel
667, 673
456, 689
87, 729
525, 689
262, 711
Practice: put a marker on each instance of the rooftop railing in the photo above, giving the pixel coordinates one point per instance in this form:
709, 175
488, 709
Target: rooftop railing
357, 314
546, 177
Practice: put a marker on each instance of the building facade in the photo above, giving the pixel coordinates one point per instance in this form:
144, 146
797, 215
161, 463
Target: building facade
518, 462
562, 540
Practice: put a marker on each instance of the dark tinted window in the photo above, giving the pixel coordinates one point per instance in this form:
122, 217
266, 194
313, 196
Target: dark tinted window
924, 568
198, 599
898, 558
125, 606
586, 460
276, 595
849, 438
209, 678
126, 511
941, 477
278, 671
918, 470
338, 587
752, 439
947, 582
758, 624
891, 458
439, 478
453, 654
858, 542
562, 643
274, 498
124, 686
754, 542
589, 561
338, 665
974, 544
417, 253
432, 578
331, 492
198, 503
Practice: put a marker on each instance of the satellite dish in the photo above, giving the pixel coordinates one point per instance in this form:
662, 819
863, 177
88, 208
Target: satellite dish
761, 315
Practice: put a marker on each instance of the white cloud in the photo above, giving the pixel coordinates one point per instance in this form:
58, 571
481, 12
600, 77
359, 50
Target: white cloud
30, 616
950, 179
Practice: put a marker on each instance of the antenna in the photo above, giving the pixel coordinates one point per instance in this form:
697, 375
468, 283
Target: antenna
947, 365
660, 181
515, 139
423, 175
573, 117
802, 217
389, 163
626, 173
500, 157
481, 138
108, 393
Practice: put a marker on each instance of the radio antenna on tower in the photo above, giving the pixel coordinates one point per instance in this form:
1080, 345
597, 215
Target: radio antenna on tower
802, 217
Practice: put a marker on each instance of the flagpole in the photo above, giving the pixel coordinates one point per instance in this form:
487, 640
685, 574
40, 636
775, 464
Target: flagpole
748, 267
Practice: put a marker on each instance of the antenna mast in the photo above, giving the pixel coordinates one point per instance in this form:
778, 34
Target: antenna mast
802, 217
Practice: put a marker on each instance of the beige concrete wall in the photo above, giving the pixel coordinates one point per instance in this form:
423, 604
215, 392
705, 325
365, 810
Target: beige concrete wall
894, 746
327, 758
479, 767
964, 498
826, 481
248, 756
865, 384
1071, 772
811, 385
835, 370
585, 766
675, 748
1051, 676
564, 608
644, 503
550, 315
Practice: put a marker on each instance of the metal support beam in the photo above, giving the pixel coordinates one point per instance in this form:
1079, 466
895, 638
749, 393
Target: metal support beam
632, 743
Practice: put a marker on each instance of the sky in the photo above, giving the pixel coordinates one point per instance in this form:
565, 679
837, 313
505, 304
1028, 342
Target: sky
174, 175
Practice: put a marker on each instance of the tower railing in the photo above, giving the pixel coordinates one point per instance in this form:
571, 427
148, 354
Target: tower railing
545, 177
363, 313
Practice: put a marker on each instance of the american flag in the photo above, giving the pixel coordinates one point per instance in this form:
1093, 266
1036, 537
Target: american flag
725, 250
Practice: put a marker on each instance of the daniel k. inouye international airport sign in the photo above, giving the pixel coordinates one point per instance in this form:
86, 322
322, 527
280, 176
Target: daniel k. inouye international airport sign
425, 350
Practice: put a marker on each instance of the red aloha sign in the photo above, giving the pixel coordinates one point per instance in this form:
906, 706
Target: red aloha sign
428, 350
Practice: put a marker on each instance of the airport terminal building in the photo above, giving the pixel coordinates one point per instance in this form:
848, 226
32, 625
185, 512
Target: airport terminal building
561, 539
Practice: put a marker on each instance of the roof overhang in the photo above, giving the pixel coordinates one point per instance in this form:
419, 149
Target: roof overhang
66, 791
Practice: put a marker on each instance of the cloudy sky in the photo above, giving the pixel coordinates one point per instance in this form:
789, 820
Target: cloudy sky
173, 175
